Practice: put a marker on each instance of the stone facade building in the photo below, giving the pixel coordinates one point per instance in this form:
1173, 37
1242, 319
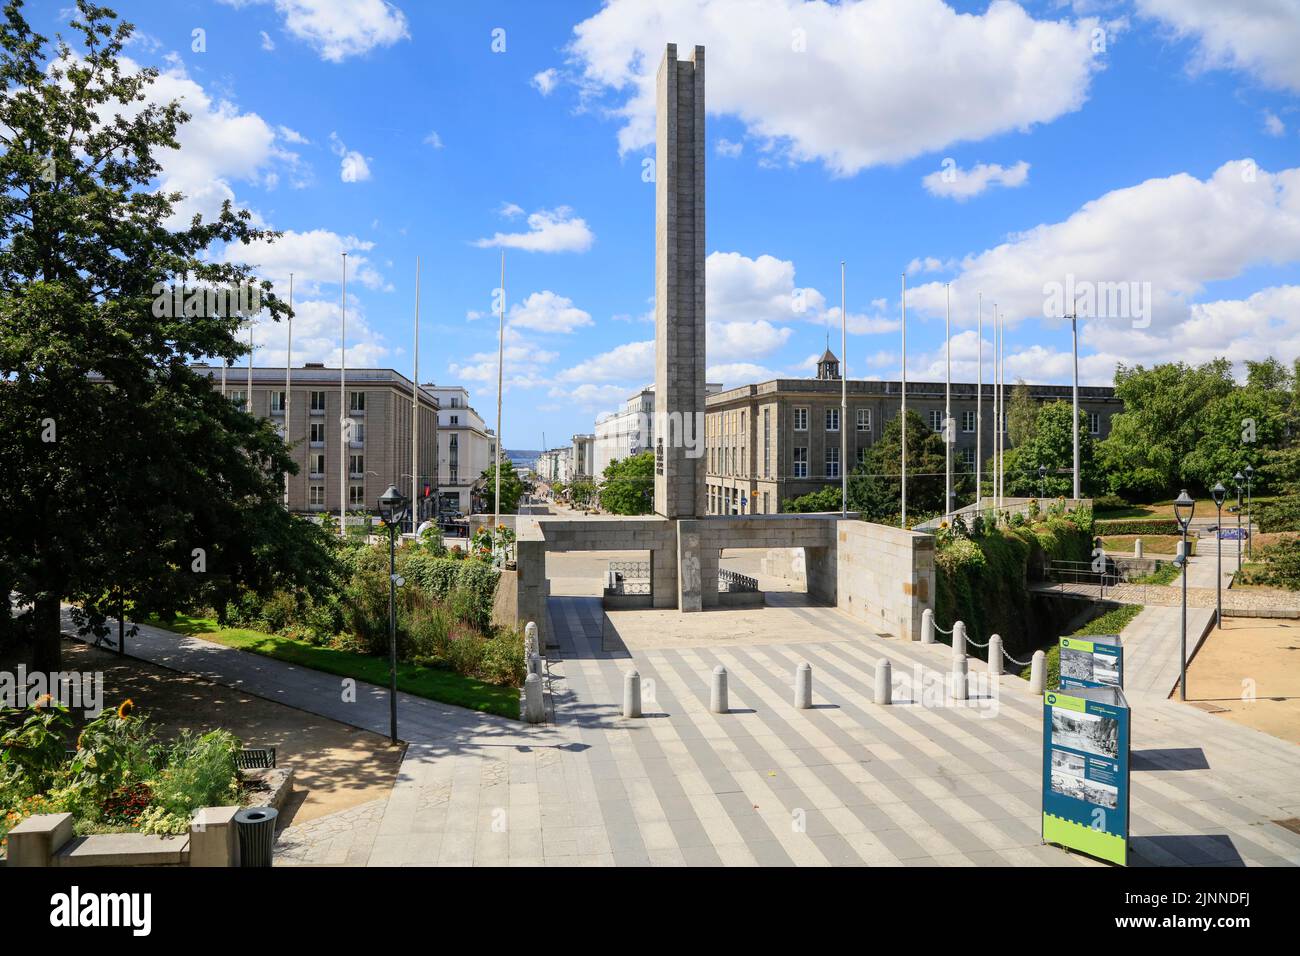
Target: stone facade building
768, 442
465, 449
377, 452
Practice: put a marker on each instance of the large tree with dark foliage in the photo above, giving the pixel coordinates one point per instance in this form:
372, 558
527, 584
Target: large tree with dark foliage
123, 473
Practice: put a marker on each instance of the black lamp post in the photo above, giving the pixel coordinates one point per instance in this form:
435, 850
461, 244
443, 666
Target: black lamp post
1250, 528
1240, 479
1184, 507
1218, 492
392, 506
1042, 482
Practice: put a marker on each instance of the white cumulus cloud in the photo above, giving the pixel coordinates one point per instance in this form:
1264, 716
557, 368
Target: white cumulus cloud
1257, 38
549, 230
953, 182
338, 29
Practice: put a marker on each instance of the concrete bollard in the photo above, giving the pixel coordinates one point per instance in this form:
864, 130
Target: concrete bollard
927, 626
1137, 547
534, 708
958, 640
535, 665
959, 682
718, 692
995, 655
530, 640
632, 693
803, 686
884, 682
1038, 673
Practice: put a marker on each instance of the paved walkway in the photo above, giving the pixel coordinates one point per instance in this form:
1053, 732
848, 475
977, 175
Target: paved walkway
1151, 648
844, 783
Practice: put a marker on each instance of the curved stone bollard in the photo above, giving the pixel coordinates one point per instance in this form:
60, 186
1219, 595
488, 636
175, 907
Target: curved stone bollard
1038, 673
958, 640
534, 665
632, 693
534, 708
1137, 547
927, 626
718, 692
803, 686
884, 682
530, 640
959, 673
995, 655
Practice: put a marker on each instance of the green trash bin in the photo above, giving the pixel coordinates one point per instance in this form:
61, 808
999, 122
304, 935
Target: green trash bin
256, 827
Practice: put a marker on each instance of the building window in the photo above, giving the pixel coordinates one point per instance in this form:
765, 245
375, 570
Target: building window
832, 462
765, 511
318, 403
357, 434
801, 462
936, 420
767, 443
357, 496
968, 456
316, 463
968, 421
277, 403
357, 466
455, 402
1094, 423
801, 419
237, 397
864, 419
862, 455
357, 402
832, 419
453, 420
316, 496
453, 457
317, 433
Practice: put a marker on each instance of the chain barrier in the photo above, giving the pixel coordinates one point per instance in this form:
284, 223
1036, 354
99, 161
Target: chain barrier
972, 641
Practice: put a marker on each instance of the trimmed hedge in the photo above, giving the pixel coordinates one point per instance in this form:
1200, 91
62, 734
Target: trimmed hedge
1108, 526
470, 586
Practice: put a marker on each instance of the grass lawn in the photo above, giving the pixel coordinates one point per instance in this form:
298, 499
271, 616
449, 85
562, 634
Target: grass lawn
1165, 509
1152, 543
431, 682
1165, 574
1112, 622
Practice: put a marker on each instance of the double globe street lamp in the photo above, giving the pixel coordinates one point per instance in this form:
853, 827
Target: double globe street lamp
1184, 508
393, 508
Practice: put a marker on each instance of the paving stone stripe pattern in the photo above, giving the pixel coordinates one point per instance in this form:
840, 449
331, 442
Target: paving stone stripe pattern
844, 783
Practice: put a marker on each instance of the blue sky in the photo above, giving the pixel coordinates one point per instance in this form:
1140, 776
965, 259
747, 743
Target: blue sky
997, 147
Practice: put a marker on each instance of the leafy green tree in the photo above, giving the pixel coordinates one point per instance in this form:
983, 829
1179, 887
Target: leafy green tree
1022, 415
825, 499
1235, 431
1051, 445
875, 486
1142, 457
511, 488
122, 472
629, 485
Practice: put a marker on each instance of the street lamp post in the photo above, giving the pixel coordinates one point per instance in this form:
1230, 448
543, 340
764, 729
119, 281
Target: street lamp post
1184, 507
1219, 493
1240, 479
392, 505
1042, 482
1250, 528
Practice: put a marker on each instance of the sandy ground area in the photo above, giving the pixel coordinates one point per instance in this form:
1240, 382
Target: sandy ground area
335, 766
1249, 656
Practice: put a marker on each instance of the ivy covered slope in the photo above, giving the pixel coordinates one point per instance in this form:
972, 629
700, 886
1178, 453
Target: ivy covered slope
981, 569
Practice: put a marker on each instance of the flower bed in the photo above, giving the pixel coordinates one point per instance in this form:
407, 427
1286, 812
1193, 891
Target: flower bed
120, 779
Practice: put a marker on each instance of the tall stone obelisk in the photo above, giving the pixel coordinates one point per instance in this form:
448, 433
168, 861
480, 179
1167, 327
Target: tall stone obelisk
679, 287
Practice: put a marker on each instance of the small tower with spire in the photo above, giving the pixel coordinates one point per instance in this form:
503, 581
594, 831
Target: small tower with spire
828, 367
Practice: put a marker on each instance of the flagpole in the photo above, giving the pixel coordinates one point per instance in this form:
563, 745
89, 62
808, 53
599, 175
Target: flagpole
844, 402
343, 402
979, 407
903, 416
1074, 329
501, 348
288, 386
947, 401
1002, 407
996, 408
415, 411
248, 399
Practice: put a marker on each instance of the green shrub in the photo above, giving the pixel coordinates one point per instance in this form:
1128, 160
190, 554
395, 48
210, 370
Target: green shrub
468, 586
503, 659
199, 771
1281, 514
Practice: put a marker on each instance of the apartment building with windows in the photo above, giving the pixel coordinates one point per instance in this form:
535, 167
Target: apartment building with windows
374, 446
771, 441
630, 430
466, 447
